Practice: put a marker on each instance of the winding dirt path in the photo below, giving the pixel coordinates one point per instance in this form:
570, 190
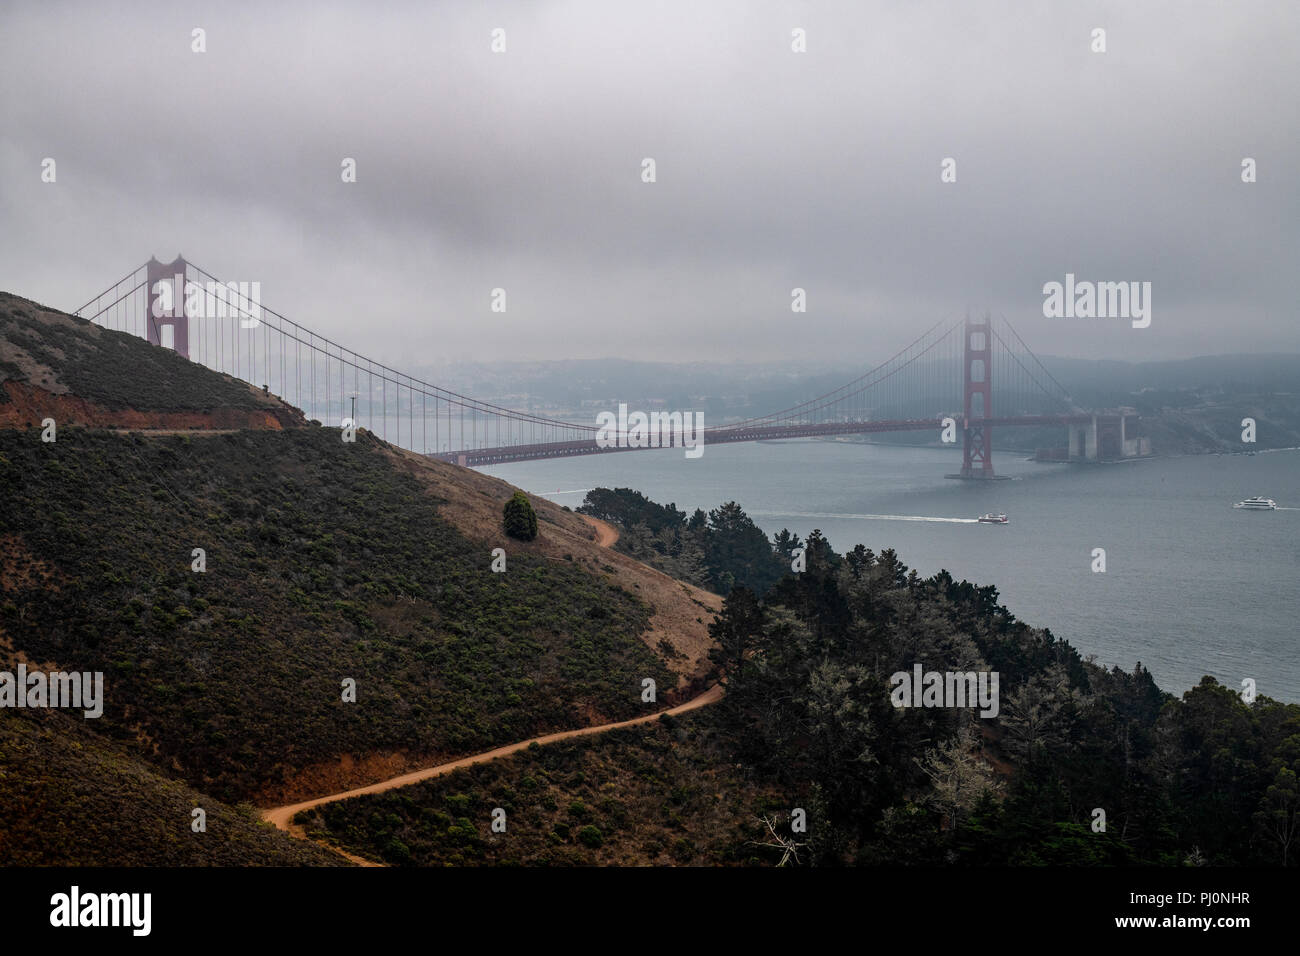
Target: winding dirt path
282, 817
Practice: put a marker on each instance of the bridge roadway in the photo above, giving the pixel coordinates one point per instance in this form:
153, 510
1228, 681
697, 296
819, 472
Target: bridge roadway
724, 434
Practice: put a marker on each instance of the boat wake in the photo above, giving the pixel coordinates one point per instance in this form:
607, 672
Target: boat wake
823, 514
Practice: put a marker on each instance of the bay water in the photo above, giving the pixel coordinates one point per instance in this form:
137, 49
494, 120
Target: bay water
1192, 586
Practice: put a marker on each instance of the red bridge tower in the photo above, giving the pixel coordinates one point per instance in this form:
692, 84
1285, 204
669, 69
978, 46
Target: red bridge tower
174, 318
977, 437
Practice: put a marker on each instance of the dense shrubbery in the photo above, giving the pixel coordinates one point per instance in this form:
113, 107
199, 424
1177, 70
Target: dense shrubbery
69, 799
661, 794
324, 562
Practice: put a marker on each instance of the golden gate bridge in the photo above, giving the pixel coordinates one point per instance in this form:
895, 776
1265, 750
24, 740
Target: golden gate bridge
940, 382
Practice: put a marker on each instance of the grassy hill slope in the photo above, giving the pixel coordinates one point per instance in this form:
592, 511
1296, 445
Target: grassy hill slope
667, 794
62, 366
67, 799
325, 562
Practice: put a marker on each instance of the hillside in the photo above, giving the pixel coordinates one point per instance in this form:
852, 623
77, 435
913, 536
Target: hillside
69, 799
59, 366
671, 794
324, 561
1080, 766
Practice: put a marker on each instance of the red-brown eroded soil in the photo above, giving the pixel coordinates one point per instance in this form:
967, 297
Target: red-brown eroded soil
29, 405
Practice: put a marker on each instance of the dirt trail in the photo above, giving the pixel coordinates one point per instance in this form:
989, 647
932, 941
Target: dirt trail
282, 816
606, 534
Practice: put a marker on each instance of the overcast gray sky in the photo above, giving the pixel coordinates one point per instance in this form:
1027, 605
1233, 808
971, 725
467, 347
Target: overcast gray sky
775, 169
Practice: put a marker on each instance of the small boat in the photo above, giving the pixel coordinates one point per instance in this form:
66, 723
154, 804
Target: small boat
1258, 503
991, 518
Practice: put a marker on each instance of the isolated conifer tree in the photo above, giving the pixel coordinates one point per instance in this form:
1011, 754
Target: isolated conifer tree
519, 518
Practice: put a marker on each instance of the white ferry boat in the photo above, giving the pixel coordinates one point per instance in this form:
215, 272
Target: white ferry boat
1258, 503
991, 518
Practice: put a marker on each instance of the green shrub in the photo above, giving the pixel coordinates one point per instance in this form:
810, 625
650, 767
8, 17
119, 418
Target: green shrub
519, 518
397, 852
591, 836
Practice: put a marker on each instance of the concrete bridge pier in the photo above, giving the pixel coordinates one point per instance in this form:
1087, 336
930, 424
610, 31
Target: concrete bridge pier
1105, 437
1083, 441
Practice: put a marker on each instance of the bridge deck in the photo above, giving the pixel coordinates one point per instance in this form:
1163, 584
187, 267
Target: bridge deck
474, 457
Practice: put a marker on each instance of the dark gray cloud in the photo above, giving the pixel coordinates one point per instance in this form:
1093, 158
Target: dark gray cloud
775, 170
